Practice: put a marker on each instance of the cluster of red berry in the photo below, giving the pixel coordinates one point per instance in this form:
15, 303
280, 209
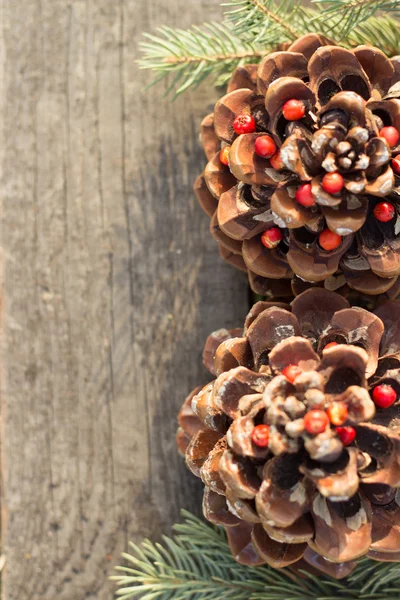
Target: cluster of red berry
332, 183
317, 420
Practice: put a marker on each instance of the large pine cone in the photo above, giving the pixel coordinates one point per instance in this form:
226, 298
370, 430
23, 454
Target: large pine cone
349, 96
308, 489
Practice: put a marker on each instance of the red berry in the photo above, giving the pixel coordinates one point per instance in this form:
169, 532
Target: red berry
260, 436
244, 124
396, 164
384, 212
390, 134
304, 195
294, 109
291, 372
316, 421
333, 183
347, 435
271, 237
331, 345
224, 155
337, 413
329, 240
384, 395
276, 161
265, 146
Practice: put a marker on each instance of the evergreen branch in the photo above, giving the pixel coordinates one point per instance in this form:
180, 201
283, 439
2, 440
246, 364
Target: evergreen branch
197, 564
383, 32
274, 16
176, 60
253, 28
248, 14
193, 54
305, 20
351, 13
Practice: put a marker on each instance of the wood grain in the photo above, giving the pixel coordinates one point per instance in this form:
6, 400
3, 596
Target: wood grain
111, 283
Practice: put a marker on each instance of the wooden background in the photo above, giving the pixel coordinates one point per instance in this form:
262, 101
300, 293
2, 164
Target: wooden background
110, 285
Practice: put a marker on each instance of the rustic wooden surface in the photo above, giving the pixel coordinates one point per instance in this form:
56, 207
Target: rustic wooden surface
110, 286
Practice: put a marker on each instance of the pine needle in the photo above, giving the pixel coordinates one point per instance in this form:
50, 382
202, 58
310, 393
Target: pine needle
197, 564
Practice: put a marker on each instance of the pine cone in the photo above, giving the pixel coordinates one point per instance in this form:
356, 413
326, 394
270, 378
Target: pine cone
349, 132
297, 440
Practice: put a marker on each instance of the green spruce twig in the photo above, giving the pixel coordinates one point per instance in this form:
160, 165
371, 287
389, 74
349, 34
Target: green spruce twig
263, 16
192, 55
383, 32
351, 13
196, 564
252, 28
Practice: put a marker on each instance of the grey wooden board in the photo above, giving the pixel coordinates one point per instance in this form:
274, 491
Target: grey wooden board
111, 284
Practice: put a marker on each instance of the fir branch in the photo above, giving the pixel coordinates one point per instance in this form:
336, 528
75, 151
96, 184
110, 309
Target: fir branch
250, 14
349, 14
197, 564
304, 20
383, 32
193, 54
253, 28
274, 16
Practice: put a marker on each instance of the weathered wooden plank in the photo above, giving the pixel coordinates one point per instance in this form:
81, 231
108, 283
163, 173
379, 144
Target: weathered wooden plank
111, 284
